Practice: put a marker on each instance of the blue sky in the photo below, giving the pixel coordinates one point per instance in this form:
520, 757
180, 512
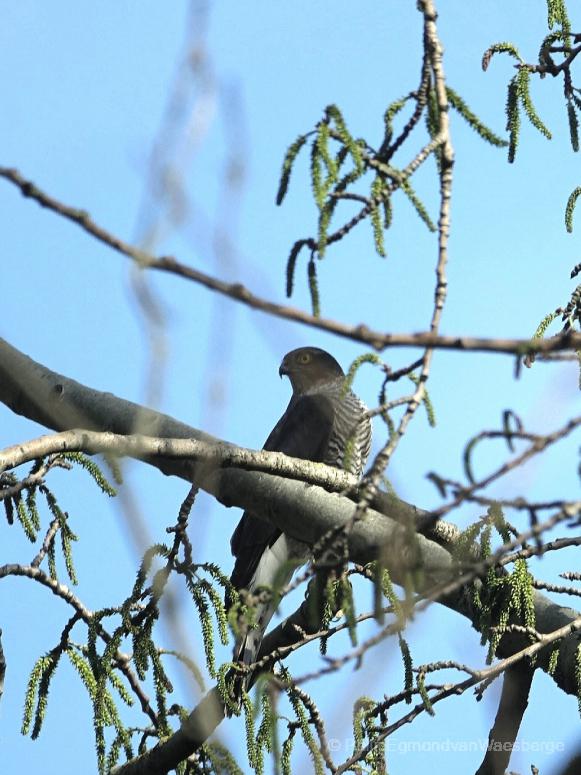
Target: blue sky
85, 90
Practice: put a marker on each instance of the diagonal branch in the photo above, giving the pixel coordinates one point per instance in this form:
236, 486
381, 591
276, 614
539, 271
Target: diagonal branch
569, 341
511, 708
303, 511
475, 678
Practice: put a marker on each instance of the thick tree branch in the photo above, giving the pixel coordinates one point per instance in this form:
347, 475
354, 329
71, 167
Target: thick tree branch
210, 711
57, 402
217, 453
307, 512
304, 511
194, 732
511, 708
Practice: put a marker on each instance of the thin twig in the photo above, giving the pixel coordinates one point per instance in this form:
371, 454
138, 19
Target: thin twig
359, 333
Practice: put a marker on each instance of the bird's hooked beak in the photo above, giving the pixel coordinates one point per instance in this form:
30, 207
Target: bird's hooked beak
283, 370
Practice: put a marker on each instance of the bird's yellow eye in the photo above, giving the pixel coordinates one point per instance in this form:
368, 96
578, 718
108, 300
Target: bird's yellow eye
303, 358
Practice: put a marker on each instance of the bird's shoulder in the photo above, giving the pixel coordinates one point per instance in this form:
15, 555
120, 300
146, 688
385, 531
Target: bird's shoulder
308, 417
303, 431
345, 402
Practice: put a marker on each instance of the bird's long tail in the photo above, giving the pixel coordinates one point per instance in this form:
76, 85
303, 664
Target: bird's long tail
273, 573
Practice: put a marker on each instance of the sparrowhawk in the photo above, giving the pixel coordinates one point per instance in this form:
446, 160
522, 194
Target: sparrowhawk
322, 423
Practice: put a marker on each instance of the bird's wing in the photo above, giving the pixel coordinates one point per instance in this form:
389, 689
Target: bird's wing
303, 431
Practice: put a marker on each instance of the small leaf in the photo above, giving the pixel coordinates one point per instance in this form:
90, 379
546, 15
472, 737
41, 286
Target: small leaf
333, 112
573, 125
291, 266
557, 15
319, 191
523, 88
314, 288
570, 208
287, 166
472, 119
390, 114
500, 48
418, 205
92, 469
512, 118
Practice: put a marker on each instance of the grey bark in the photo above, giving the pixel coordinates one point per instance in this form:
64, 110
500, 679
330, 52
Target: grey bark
303, 511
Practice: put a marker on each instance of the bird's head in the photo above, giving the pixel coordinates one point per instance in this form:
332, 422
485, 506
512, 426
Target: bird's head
308, 367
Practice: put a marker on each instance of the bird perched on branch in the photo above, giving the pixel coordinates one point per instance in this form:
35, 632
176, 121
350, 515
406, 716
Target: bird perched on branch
322, 423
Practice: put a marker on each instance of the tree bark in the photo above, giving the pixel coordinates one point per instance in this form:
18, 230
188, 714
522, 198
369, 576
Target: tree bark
302, 510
